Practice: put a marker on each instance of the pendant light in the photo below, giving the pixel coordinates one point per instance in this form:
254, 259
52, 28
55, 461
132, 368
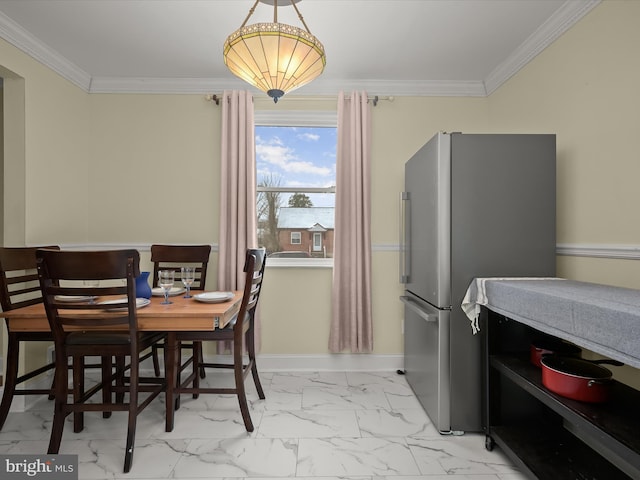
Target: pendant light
274, 57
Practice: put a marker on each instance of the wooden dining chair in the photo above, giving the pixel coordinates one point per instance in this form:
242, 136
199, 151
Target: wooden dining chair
173, 257
240, 331
19, 287
82, 329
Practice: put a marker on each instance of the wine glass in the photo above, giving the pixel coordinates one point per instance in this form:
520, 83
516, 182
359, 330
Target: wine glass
165, 281
188, 276
91, 284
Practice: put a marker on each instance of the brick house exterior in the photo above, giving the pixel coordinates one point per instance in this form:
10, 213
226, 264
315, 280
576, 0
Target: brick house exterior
308, 230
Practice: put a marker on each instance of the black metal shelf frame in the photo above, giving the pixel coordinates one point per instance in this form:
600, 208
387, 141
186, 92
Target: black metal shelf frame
546, 435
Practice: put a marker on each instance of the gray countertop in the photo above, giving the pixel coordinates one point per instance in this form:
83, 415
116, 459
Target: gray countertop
601, 318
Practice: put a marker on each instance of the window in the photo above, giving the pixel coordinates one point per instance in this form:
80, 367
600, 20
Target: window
296, 177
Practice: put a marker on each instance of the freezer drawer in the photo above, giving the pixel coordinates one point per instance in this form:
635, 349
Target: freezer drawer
426, 346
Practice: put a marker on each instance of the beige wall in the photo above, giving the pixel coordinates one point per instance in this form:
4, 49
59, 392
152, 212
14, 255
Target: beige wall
48, 175
153, 169
584, 88
105, 161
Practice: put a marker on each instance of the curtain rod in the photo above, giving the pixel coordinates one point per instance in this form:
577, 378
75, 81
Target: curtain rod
213, 97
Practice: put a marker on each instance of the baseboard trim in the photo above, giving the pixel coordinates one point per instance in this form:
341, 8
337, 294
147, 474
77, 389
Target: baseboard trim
342, 362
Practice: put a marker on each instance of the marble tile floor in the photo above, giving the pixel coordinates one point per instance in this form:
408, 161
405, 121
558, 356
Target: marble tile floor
312, 425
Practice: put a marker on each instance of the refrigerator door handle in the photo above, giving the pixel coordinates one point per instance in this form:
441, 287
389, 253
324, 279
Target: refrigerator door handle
413, 306
405, 236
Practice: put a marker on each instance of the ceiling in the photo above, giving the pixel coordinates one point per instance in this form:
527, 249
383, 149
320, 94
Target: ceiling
387, 47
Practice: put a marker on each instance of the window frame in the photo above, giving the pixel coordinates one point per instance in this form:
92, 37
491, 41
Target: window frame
297, 118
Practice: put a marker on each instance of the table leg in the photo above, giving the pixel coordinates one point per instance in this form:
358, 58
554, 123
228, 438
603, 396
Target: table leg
173, 362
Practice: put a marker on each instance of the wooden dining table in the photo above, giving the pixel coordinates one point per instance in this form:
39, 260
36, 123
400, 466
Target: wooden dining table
182, 315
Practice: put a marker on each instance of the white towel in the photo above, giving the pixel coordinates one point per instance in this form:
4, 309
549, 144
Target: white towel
476, 297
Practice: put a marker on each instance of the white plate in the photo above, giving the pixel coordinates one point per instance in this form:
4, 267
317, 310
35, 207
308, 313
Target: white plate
140, 302
213, 297
75, 298
158, 292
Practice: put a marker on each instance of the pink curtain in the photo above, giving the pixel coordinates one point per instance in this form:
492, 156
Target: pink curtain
238, 221
351, 323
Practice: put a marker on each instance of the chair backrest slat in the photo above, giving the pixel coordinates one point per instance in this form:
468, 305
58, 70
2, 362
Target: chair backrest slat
19, 286
62, 273
173, 257
254, 269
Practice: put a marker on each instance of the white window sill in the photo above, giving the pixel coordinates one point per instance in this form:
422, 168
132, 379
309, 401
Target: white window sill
300, 262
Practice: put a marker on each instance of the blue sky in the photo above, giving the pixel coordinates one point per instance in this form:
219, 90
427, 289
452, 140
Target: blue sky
297, 156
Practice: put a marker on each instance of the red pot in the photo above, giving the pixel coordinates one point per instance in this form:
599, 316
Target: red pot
576, 378
538, 348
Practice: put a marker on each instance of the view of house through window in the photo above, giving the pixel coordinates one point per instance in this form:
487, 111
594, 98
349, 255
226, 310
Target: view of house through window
296, 170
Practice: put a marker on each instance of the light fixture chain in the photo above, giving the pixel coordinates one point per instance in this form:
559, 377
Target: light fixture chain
299, 15
251, 10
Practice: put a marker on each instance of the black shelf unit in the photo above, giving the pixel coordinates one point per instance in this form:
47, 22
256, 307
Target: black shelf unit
546, 435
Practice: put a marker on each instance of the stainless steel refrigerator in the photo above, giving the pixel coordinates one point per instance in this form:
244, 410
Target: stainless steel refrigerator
475, 205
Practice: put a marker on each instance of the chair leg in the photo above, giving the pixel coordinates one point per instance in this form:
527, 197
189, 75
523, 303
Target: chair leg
131, 436
200, 357
13, 353
176, 404
106, 383
119, 380
256, 381
197, 366
251, 351
52, 395
156, 361
240, 391
78, 391
133, 415
61, 388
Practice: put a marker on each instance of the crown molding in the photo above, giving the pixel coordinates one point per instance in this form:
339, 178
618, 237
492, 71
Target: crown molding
412, 88
32, 46
566, 16
570, 13
162, 85
318, 87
